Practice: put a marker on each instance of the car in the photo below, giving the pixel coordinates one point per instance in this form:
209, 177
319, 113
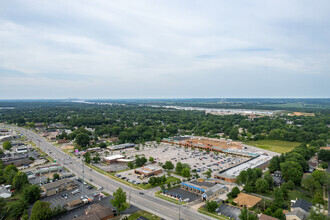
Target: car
142, 193
100, 188
90, 187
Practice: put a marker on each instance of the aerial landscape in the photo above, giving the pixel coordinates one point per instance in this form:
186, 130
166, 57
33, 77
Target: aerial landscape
150, 110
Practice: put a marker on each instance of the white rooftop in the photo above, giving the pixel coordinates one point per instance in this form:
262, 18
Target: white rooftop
114, 157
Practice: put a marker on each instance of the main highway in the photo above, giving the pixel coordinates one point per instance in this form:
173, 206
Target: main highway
148, 201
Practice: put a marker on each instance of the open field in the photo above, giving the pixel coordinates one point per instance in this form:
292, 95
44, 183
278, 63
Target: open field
274, 145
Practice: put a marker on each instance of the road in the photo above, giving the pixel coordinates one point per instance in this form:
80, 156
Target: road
148, 201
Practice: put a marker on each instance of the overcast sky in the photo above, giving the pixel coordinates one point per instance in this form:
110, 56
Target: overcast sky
164, 49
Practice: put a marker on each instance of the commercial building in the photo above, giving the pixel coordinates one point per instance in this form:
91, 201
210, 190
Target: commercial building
58, 186
9, 137
113, 158
120, 146
246, 200
22, 150
230, 174
48, 169
208, 190
149, 170
17, 161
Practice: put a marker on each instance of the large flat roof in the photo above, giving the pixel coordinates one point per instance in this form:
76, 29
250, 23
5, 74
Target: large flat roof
235, 171
114, 157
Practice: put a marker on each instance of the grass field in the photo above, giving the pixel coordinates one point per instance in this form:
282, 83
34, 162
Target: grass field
274, 145
145, 214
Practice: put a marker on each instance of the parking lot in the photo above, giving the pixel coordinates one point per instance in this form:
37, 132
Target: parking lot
112, 167
199, 160
61, 199
185, 195
229, 211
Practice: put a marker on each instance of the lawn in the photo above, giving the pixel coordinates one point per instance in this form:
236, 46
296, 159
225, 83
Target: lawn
274, 145
294, 194
145, 214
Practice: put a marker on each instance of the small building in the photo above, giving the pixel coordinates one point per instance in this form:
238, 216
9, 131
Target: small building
48, 169
58, 186
246, 200
17, 161
22, 150
312, 163
277, 178
113, 158
208, 190
148, 170
97, 212
63, 141
94, 149
5, 192
299, 210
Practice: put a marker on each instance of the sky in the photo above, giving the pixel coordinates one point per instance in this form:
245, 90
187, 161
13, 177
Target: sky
164, 49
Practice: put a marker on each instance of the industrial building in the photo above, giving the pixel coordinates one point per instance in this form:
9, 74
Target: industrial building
149, 170
208, 190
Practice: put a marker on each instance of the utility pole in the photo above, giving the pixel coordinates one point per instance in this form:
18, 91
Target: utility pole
129, 197
179, 212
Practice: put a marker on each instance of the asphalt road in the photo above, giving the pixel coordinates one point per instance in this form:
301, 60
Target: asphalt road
147, 202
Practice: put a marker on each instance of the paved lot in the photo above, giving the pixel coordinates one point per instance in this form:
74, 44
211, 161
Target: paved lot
229, 211
56, 200
113, 167
185, 194
130, 175
201, 161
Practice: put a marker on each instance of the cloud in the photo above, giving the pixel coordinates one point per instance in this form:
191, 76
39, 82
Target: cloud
131, 49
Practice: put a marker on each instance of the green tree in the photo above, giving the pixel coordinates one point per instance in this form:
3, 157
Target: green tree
186, 172
269, 180
262, 185
19, 180
87, 157
208, 174
41, 211
6, 145
246, 215
151, 159
31, 193
168, 165
3, 208
9, 173
234, 192
130, 165
278, 198
179, 167
211, 206
292, 170
56, 176
96, 158
18, 208
316, 214
82, 139
119, 200
324, 165
318, 198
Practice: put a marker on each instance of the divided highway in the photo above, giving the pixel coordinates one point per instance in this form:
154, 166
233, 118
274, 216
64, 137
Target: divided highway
146, 202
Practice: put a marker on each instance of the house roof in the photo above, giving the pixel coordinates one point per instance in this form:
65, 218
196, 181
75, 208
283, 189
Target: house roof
297, 213
266, 217
303, 204
244, 199
100, 210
